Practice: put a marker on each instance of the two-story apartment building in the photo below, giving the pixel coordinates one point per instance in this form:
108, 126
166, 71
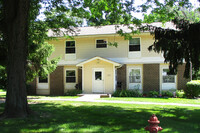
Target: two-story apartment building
89, 60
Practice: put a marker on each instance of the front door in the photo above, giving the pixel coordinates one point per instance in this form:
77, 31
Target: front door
98, 80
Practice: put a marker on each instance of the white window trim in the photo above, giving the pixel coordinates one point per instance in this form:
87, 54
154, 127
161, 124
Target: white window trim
140, 44
43, 84
134, 54
70, 56
141, 74
70, 69
161, 78
101, 39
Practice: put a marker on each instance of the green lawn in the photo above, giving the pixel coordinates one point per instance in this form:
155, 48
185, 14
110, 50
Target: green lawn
60, 97
158, 100
2, 93
83, 117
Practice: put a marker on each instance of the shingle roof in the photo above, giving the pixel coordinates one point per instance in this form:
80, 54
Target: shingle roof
104, 30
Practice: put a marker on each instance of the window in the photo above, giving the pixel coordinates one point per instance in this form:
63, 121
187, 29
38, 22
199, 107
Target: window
167, 78
135, 76
101, 43
70, 76
98, 75
43, 80
134, 44
70, 47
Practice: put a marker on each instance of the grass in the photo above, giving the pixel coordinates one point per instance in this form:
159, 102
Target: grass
156, 100
3, 95
60, 97
83, 117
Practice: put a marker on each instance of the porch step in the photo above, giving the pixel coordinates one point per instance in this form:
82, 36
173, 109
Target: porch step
92, 96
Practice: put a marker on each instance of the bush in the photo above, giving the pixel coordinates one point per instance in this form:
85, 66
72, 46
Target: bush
180, 94
127, 93
192, 89
167, 94
73, 92
153, 94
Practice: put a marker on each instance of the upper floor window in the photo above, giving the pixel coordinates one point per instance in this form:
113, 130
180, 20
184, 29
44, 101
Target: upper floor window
70, 76
43, 80
134, 44
70, 47
101, 43
166, 77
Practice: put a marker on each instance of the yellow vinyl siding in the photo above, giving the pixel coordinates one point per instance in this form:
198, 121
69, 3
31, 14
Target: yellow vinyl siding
108, 75
86, 48
146, 41
59, 45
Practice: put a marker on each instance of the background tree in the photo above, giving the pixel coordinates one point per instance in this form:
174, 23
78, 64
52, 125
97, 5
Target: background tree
177, 45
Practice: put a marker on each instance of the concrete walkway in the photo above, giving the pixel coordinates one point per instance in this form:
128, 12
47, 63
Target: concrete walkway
93, 97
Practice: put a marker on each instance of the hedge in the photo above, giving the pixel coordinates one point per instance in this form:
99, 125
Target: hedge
192, 89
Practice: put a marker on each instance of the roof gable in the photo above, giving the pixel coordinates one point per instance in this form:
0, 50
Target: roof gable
100, 58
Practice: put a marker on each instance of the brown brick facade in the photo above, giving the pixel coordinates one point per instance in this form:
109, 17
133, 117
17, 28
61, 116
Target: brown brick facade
181, 80
151, 77
79, 75
32, 87
121, 76
56, 81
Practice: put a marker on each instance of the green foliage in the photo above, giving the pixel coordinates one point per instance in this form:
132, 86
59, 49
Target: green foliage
38, 63
167, 93
127, 93
180, 94
73, 92
193, 89
179, 45
3, 77
153, 94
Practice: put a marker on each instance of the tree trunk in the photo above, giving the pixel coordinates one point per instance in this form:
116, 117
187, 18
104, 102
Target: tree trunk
16, 35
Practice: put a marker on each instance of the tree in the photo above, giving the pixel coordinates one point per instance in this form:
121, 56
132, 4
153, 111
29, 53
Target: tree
181, 44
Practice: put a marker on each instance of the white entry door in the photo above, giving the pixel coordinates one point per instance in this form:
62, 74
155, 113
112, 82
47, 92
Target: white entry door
98, 80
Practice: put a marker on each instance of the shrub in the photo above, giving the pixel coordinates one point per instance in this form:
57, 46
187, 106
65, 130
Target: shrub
73, 92
127, 93
179, 94
192, 89
167, 94
153, 94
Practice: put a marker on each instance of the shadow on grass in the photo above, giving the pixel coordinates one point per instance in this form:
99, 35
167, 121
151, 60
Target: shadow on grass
81, 117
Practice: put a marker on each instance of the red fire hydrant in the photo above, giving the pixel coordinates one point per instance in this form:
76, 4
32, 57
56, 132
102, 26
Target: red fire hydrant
153, 127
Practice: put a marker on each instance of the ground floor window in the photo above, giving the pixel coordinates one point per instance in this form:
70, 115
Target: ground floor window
135, 78
43, 79
70, 76
166, 77
168, 81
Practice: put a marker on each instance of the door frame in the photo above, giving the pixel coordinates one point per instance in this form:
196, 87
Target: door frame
93, 79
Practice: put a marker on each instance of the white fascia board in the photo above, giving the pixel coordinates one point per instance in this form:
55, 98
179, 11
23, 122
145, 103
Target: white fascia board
143, 60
